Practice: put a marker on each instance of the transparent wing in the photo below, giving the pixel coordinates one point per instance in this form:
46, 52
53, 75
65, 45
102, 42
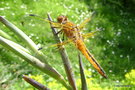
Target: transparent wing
54, 24
71, 40
87, 35
62, 43
57, 45
82, 25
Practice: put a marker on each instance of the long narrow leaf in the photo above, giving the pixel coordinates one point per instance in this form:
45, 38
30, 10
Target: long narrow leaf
83, 80
65, 59
24, 38
19, 33
34, 83
34, 61
2, 33
18, 46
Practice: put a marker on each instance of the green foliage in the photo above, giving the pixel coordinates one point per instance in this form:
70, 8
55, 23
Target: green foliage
113, 46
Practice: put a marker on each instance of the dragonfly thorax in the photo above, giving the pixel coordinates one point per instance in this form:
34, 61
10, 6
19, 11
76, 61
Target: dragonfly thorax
71, 30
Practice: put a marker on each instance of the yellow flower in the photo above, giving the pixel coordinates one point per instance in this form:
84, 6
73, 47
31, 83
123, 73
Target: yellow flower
131, 76
38, 78
30, 89
87, 72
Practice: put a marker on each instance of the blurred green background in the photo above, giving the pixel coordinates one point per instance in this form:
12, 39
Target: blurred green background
113, 46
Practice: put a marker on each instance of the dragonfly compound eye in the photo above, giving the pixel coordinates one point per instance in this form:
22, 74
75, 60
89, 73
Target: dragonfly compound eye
62, 19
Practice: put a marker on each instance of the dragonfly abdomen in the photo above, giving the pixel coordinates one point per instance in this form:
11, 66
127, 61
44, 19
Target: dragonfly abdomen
81, 46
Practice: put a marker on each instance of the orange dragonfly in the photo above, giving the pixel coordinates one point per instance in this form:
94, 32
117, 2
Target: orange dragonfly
72, 32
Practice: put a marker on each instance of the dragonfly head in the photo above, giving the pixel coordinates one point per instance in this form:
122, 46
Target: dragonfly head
62, 19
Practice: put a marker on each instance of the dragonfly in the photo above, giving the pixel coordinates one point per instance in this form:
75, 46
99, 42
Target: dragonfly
73, 33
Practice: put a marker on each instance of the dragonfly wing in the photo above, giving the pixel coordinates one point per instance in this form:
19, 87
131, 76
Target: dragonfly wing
62, 43
81, 26
89, 34
56, 25
56, 45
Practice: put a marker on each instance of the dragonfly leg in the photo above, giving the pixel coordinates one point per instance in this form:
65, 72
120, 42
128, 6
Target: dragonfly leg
59, 32
40, 48
63, 38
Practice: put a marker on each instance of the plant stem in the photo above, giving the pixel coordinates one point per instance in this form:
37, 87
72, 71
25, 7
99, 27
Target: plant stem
34, 83
34, 61
83, 80
65, 59
24, 38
